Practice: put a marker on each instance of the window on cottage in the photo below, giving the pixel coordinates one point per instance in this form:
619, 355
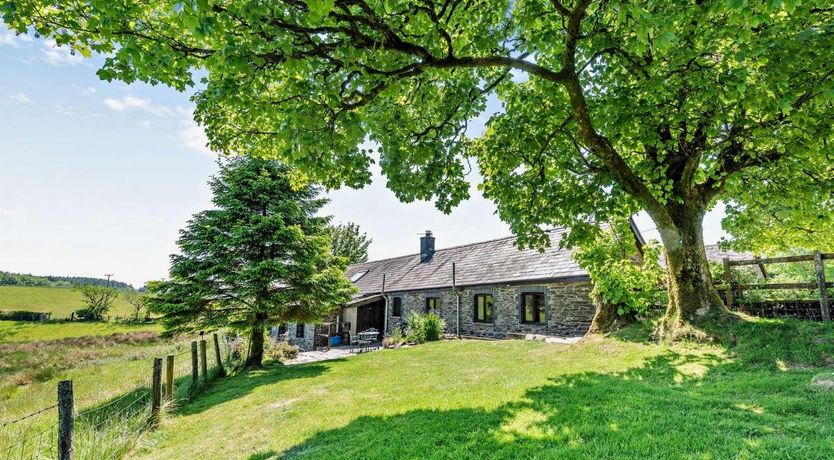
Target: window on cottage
433, 305
483, 308
282, 328
532, 308
397, 307
299, 330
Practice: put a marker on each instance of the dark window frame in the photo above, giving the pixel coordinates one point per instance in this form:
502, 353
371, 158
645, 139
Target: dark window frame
299, 327
538, 313
397, 307
491, 318
436, 300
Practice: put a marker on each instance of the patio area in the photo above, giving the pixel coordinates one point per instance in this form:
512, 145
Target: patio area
337, 352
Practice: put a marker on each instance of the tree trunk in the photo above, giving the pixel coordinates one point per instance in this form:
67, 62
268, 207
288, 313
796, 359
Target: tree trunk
607, 319
693, 299
256, 346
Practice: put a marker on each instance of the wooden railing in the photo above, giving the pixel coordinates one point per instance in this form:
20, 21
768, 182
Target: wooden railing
821, 284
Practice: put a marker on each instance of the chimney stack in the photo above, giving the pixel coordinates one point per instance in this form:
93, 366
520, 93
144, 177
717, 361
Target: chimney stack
426, 246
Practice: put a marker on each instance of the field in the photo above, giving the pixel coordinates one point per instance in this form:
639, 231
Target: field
60, 301
110, 366
746, 396
96, 356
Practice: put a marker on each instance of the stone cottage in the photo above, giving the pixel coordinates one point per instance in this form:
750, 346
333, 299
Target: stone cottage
486, 289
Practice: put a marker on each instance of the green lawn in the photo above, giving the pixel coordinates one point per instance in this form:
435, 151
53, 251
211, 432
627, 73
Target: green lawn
60, 301
614, 397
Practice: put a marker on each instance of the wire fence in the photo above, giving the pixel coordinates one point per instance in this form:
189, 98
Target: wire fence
104, 428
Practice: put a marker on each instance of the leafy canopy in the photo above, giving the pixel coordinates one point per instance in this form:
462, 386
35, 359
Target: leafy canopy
607, 105
261, 257
349, 242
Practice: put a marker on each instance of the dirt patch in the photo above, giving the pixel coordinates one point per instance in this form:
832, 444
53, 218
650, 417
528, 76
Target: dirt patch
823, 382
284, 403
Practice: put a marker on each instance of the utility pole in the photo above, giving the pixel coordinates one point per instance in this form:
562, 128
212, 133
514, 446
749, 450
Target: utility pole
108, 275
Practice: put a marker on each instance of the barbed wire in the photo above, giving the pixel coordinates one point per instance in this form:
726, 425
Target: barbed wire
28, 416
22, 443
100, 416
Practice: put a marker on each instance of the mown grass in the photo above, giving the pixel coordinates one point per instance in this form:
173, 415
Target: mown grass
745, 396
60, 301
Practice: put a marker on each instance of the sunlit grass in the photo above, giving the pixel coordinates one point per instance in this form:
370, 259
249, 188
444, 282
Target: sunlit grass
612, 397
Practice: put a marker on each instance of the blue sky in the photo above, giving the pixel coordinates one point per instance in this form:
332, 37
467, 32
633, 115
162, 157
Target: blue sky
98, 177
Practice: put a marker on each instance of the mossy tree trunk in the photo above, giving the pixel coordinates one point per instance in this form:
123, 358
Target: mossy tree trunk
607, 318
692, 296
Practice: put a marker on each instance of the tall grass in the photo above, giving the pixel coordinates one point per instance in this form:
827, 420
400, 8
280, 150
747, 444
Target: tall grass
109, 427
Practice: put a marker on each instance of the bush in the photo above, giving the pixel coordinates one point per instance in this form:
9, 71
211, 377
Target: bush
88, 314
281, 351
433, 326
394, 340
16, 315
619, 279
424, 328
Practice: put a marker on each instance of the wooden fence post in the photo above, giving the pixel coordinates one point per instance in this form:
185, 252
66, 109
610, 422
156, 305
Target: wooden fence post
194, 369
826, 315
729, 277
65, 420
169, 378
203, 359
220, 371
156, 390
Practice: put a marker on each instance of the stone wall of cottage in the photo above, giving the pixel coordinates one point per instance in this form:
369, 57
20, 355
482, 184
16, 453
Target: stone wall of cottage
303, 343
569, 309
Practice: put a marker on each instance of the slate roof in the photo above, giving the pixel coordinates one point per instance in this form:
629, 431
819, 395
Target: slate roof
714, 253
489, 262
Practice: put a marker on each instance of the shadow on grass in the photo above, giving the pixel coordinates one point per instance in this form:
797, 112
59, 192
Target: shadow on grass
674, 406
237, 386
761, 342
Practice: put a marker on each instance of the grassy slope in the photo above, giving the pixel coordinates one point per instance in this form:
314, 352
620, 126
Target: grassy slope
106, 363
60, 301
615, 397
102, 360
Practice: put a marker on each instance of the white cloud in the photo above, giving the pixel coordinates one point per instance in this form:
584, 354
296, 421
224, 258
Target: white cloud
145, 124
67, 110
89, 90
7, 212
59, 55
194, 137
20, 97
131, 102
12, 39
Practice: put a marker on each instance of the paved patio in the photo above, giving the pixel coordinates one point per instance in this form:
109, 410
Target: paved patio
315, 356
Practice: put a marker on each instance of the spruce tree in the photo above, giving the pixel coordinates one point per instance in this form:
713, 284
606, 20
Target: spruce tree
261, 257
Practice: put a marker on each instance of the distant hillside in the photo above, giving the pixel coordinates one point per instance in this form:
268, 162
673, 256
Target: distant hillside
60, 301
20, 279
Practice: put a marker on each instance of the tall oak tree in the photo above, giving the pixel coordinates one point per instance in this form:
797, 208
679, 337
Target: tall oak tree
606, 106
